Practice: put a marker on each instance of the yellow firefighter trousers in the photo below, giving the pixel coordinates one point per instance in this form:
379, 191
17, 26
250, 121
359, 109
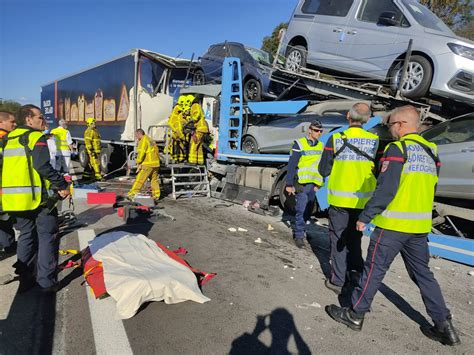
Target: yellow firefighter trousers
196, 154
142, 177
94, 163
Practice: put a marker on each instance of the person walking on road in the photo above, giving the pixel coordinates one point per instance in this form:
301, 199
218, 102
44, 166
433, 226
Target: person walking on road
148, 162
7, 234
93, 147
303, 178
401, 210
348, 160
31, 189
64, 147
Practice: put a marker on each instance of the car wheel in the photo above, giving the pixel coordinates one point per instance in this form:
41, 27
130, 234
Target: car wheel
250, 145
83, 156
252, 90
295, 58
418, 79
198, 77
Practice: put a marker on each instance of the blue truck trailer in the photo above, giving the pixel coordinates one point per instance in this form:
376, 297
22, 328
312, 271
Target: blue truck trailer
135, 90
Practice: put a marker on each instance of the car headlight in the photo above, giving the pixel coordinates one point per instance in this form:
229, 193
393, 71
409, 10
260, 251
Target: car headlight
461, 50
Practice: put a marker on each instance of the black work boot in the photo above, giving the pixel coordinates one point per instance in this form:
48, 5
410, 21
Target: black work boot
345, 315
443, 332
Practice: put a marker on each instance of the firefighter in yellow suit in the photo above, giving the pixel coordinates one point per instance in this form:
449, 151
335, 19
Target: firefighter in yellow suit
148, 162
92, 140
175, 122
196, 154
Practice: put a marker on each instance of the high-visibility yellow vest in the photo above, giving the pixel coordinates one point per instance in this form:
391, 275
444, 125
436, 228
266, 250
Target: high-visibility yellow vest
60, 137
21, 183
92, 140
308, 171
410, 211
147, 153
352, 181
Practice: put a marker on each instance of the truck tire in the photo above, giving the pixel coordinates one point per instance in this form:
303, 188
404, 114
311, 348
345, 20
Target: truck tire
83, 156
419, 76
198, 77
105, 160
295, 58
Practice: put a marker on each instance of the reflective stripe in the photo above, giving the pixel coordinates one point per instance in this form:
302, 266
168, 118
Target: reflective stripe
350, 194
407, 215
311, 152
14, 152
309, 170
310, 177
19, 190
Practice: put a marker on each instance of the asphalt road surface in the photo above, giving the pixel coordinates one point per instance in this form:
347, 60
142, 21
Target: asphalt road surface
267, 297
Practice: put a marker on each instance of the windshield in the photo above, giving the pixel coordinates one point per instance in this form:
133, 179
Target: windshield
259, 55
425, 17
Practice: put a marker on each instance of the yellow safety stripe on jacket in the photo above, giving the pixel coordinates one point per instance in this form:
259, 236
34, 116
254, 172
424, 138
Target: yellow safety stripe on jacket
147, 153
19, 193
410, 211
308, 165
92, 140
60, 137
352, 182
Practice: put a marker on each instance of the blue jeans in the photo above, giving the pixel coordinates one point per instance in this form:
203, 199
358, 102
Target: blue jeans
304, 209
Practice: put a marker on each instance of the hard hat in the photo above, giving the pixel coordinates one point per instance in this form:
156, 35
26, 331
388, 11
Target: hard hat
189, 99
181, 100
90, 121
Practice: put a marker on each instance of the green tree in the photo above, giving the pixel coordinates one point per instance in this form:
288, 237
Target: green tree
454, 13
270, 43
9, 105
467, 31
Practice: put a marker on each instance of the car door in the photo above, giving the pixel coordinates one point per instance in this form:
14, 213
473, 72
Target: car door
455, 140
370, 48
327, 30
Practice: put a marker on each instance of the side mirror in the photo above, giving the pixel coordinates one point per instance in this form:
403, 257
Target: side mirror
388, 18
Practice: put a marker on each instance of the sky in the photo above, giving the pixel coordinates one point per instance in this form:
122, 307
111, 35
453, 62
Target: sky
44, 40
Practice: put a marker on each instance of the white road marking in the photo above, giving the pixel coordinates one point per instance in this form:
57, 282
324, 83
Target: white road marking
109, 334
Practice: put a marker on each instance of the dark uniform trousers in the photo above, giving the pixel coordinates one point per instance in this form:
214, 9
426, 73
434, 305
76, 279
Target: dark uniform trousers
383, 248
304, 208
38, 245
346, 252
7, 234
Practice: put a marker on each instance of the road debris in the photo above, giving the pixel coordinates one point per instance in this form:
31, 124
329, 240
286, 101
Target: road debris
232, 229
270, 227
242, 229
258, 240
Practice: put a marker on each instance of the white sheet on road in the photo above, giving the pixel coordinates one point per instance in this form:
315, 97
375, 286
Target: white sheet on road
136, 271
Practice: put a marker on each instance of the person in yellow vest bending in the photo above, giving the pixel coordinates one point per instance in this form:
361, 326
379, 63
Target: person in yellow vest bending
64, 147
148, 163
30, 190
93, 146
348, 160
401, 209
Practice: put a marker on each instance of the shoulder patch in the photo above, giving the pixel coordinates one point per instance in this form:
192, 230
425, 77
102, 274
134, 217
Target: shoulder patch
384, 166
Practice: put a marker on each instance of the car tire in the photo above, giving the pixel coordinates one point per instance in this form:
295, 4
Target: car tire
295, 58
252, 90
198, 77
83, 156
104, 160
419, 76
249, 145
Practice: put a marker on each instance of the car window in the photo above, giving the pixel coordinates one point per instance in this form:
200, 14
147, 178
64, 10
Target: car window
457, 131
237, 51
425, 17
259, 55
217, 51
371, 10
327, 7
